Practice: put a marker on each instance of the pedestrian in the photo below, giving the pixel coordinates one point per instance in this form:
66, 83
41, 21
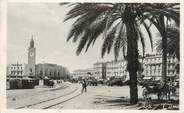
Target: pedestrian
147, 98
145, 94
84, 86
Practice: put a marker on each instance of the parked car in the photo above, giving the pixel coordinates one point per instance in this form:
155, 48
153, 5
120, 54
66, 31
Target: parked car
117, 82
92, 82
101, 81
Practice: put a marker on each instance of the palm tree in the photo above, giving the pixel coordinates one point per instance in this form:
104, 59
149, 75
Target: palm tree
173, 45
120, 25
164, 14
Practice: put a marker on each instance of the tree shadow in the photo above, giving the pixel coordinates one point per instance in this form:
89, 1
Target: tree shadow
124, 102
111, 100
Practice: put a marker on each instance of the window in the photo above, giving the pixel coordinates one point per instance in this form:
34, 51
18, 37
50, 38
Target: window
169, 60
54, 73
41, 73
30, 70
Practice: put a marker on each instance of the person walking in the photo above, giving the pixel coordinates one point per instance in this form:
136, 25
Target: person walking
84, 86
147, 98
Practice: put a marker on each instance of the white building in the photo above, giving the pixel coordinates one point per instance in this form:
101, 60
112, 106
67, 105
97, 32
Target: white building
116, 68
83, 73
111, 69
100, 70
17, 70
152, 66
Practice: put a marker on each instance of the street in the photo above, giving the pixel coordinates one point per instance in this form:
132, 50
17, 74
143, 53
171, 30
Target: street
96, 97
69, 96
100, 97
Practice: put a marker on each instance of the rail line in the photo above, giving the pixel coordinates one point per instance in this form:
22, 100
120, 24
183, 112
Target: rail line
40, 92
31, 105
61, 102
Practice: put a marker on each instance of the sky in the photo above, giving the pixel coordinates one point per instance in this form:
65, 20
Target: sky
45, 22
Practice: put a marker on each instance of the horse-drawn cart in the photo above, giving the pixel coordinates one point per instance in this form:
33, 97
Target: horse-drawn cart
160, 89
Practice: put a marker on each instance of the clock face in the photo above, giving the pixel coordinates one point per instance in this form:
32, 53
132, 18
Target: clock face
31, 54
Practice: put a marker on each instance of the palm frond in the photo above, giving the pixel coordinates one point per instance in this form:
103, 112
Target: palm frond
96, 30
172, 35
84, 8
164, 9
81, 24
149, 34
64, 3
108, 41
83, 41
142, 39
120, 41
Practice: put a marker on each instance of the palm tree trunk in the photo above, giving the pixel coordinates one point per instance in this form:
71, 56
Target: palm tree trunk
132, 55
164, 48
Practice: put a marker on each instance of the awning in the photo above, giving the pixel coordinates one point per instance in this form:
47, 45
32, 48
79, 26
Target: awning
27, 78
147, 78
46, 77
157, 78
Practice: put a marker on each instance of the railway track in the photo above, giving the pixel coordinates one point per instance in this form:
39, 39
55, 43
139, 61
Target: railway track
55, 106
38, 93
50, 103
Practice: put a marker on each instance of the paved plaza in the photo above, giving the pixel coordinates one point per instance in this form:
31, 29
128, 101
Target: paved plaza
69, 96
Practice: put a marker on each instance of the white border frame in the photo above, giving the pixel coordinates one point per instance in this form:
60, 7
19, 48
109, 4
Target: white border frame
3, 63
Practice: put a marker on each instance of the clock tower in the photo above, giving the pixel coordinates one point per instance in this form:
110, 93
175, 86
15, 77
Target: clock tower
31, 58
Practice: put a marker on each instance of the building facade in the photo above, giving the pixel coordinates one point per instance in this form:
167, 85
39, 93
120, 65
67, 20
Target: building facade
33, 70
18, 70
116, 68
100, 70
83, 73
152, 66
52, 71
